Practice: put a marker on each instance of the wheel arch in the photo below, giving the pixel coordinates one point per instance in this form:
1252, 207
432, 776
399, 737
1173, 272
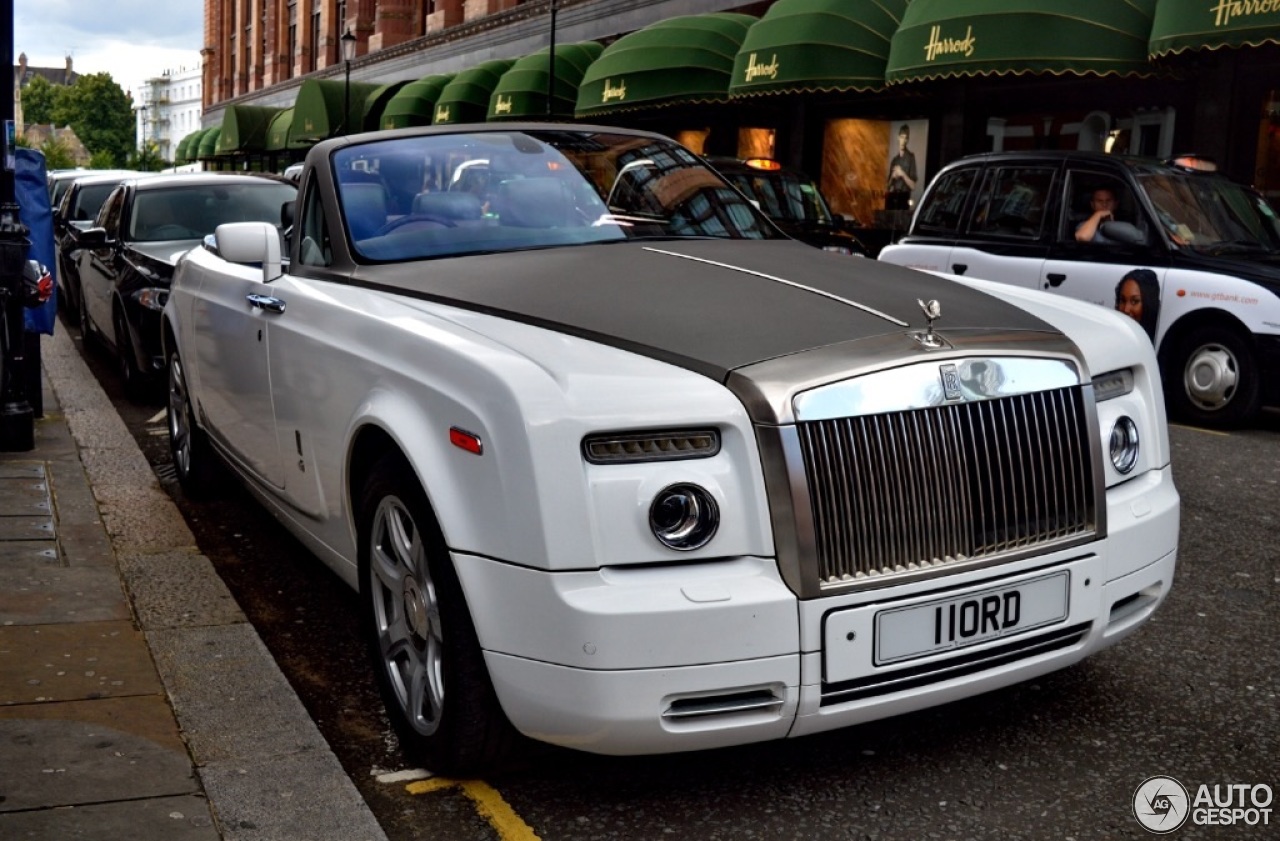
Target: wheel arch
1188, 323
370, 444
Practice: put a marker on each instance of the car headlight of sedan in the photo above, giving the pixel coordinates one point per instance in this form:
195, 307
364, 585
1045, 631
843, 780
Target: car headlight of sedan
152, 298
1124, 444
684, 517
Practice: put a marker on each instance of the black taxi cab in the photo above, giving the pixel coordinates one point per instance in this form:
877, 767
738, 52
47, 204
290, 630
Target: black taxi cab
1191, 255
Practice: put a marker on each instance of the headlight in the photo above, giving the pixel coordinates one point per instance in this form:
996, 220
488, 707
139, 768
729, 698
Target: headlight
684, 517
1124, 444
152, 298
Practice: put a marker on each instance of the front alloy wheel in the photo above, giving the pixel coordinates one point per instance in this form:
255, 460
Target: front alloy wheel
406, 616
194, 461
425, 649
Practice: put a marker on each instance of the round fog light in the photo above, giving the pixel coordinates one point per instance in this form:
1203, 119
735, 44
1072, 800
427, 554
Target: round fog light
684, 517
1124, 444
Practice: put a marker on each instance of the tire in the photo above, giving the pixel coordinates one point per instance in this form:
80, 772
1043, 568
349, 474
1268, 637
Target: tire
200, 473
421, 638
1213, 378
136, 382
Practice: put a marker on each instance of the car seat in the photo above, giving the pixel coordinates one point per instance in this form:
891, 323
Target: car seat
534, 203
456, 207
365, 206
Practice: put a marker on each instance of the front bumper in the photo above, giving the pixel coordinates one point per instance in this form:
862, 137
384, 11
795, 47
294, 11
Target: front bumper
710, 655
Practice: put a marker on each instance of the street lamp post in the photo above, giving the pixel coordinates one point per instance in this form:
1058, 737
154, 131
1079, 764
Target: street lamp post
348, 52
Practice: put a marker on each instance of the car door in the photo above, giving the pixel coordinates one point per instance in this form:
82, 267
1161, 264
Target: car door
231, 337
1097, 270
98, 264
1009, 224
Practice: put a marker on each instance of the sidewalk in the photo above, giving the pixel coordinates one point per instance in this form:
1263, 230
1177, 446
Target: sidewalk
136, 702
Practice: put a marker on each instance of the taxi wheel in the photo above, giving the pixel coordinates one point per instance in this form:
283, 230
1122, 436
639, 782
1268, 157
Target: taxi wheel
1213, 380
424, 646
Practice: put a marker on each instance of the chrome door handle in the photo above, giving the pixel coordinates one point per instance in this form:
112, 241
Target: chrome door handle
265, 302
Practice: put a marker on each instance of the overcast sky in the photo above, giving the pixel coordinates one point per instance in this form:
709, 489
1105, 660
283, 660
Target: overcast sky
133, 40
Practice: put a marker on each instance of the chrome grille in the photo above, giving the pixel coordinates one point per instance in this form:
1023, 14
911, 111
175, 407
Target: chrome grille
905, 491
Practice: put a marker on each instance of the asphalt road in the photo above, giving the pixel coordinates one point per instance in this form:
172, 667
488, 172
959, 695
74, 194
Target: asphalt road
1192, 695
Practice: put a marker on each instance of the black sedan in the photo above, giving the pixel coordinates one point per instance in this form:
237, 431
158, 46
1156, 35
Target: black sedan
76, 212
125, 263
792, 201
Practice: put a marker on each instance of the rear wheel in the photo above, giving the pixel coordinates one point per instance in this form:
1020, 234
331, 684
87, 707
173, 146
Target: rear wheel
425, 651
196, 464
1213, 379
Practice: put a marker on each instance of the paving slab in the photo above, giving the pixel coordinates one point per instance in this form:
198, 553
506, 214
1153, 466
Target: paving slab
36, 589
67, 662
91, 752
184, 818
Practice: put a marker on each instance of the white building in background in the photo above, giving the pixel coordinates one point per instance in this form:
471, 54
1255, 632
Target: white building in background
168, 108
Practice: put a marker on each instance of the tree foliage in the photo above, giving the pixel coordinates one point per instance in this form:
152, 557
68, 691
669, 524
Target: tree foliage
39, 101
101, 114
56, 154
94, 106
147, 158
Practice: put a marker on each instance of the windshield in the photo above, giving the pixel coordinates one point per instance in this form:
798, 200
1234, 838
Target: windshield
1213, 215
784, 196
194, 211
448, 194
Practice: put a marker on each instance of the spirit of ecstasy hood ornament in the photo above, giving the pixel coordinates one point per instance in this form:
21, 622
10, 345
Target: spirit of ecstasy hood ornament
932, 312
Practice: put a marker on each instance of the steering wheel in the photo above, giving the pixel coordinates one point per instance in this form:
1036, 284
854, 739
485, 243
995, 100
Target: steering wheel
397, 224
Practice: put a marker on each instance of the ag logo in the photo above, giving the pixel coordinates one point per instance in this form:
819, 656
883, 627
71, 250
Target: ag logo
1161, 804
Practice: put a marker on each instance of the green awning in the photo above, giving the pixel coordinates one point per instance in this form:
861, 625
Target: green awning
521, 93
466, 98
180, 154
376, 102
317, 112
208, 147
802, 46
941, 39
244, 129
1202, 25
415, 103
278, 132
681, 59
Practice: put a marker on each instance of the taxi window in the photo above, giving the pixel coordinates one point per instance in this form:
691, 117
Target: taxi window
945, 202
1012, 201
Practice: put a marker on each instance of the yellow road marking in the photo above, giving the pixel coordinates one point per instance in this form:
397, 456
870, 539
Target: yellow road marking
489, 804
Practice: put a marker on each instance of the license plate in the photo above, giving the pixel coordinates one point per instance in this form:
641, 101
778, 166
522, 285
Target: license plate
945, 624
